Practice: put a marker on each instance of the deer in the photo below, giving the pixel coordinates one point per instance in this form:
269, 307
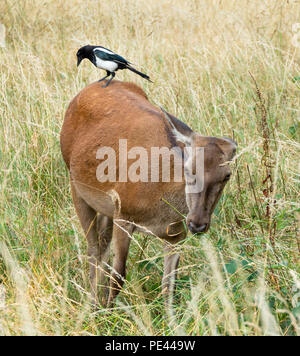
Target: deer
110, 211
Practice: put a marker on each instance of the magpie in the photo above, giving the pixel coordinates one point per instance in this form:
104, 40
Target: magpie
104, 58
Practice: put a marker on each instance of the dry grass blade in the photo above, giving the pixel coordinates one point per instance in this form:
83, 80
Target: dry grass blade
20, 282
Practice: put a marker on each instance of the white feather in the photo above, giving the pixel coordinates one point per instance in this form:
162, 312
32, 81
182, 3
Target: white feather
106, 65
103, 50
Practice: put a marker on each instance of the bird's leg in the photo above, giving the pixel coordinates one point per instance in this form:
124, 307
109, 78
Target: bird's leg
110, 79
107, 75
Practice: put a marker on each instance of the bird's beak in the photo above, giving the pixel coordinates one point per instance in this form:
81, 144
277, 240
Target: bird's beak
79, 59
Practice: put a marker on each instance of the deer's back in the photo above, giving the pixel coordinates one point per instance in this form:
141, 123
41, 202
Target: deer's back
96, 111
99, 117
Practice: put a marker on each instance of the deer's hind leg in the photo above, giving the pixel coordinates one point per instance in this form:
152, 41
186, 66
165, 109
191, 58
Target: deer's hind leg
121, 241
105, 229
88, 220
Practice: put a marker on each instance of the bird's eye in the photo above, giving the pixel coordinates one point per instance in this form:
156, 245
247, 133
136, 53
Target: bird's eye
227, 177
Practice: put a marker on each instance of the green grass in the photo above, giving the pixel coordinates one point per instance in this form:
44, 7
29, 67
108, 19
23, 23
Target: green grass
242, 277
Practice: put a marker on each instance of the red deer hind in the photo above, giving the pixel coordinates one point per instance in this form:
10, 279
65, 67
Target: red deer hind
111, 210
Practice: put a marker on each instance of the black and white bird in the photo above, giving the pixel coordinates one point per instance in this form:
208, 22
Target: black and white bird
104, 58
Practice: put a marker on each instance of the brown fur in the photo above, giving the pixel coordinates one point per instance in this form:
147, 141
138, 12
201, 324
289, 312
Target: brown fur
99, 117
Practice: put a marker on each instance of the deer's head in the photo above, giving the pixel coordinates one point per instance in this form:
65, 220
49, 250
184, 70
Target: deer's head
206, 171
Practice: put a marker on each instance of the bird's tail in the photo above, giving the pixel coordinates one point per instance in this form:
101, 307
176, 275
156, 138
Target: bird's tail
139, 73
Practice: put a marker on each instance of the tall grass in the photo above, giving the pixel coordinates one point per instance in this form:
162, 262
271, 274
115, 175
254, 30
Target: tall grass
226, 68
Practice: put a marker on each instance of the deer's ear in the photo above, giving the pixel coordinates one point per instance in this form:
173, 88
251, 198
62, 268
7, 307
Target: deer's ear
230, 140
181, 131
228, 146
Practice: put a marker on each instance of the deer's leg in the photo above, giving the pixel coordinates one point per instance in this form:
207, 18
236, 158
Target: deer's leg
121, 242
88, 220
171, 261
105, 229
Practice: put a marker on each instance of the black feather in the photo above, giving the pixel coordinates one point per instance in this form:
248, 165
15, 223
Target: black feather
110, 57
139, 73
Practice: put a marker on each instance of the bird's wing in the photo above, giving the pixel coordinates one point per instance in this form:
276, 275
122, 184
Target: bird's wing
107, 55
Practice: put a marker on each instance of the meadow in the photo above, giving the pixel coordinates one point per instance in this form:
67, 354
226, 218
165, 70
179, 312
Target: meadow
226, 68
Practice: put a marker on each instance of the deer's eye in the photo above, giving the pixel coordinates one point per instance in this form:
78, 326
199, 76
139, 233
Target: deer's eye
227, 177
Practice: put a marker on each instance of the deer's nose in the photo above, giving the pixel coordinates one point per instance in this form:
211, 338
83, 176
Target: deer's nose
196, 229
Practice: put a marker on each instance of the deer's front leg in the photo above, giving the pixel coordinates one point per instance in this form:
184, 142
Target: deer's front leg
121, 242
171, 261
